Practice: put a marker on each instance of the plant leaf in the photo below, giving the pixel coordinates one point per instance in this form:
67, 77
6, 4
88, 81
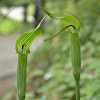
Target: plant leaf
69, 20
26, 39
48, 13
43, 98
96, 98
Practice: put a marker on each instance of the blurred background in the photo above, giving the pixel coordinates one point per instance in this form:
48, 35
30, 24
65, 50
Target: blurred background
49, 70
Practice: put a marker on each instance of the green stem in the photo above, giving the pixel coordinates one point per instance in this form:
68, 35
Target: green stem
21, 76
77, 85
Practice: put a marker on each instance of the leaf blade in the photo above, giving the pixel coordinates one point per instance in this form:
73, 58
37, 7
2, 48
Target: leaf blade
28, 38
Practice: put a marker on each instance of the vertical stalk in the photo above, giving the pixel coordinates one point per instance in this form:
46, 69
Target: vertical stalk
77, 86
21, 75
76, 61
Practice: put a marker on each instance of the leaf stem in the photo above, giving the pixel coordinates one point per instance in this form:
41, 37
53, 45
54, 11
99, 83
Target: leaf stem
77, 86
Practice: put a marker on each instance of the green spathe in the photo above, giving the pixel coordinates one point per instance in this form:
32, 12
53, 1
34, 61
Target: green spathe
75, 53
28, 38
21, 75
22, 48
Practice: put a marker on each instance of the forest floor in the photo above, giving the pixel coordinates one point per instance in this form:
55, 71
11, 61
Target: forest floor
8, 60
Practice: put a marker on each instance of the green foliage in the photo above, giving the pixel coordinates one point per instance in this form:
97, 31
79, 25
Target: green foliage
96, 98
29, 96
60, 85
31, 10
52, 59
73, 26
8, 26
10, 3
43, 98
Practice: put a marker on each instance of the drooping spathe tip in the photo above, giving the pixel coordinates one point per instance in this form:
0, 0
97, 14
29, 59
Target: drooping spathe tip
60, 32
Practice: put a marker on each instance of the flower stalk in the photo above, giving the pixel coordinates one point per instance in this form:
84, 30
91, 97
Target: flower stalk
77, 86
